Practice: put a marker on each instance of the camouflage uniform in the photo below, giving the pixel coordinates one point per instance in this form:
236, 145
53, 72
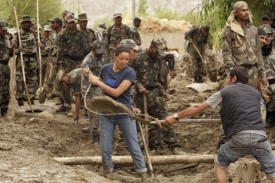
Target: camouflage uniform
114, 37
5, 54
269, 62
135, 35
101, 34
70, 53
243, 50
29, 44
167, 64
94, 66
88, 39
199, 39
149, 76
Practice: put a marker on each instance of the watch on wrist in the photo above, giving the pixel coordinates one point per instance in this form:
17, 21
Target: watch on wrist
176, 116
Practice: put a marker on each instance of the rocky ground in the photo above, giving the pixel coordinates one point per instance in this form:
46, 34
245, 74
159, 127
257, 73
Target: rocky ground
28, 146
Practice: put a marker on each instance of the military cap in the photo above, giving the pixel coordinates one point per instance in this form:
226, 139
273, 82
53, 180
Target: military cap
47, 28
267, 16
161, 44
70, 18
130, 43
65, 12
266, 28
117, 15
27, 18
82, 17
99, 47
4, 25
261, 32
55, 19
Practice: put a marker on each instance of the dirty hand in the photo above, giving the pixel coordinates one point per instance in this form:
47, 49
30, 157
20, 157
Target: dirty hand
136, 110
169, 120
93, 79
20, 49
85, 72
39, 44
264, 82
166, 96
266, 98
173, 74
142, 90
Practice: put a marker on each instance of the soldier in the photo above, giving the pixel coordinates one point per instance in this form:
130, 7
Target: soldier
29, 51
70, 53
149, 83
134, 48
101, 32
267, 19
46, 48
268, 53
87, 34
94, 62
240, 45
56, 25
115, 34
134, 30
5, 54
64, 14
197, 40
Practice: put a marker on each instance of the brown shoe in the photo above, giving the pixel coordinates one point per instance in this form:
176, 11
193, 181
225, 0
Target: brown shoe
61, 109
20, 102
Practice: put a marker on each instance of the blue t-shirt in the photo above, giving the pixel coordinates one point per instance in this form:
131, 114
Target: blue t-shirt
113, 79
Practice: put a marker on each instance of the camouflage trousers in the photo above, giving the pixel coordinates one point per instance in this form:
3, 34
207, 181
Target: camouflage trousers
67, 93
30, 68
164, 71
50, 75
198, 67
156, 109
111, 53
253, 76
93, 118
43, 69
270, 91
4, 87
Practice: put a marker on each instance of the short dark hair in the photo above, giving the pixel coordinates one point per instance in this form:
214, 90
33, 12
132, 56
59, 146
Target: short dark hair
205, 28
121, 49
240, 72
137, 19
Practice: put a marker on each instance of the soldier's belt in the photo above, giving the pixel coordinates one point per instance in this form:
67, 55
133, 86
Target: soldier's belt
72, 57
271, 81
248, 66
29, 55
4, 62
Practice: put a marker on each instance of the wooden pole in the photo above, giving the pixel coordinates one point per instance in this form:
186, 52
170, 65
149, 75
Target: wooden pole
124, 160
21, 57
13, 83
146, 118
191, 121
146, 150
39, 50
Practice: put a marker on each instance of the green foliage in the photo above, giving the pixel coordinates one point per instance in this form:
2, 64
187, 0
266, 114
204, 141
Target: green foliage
47, 10
219, 11
169, 14
142, 9
107, 20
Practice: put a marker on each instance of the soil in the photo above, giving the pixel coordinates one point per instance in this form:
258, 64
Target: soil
28, 145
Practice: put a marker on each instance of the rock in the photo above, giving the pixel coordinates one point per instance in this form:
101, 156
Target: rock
173, 107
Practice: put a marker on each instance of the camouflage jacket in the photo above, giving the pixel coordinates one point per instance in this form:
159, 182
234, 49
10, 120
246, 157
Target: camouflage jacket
69, 44
148, 72
198, 38
47, 45
170, 60
101, 34
269, 62
5, 48
115, 36
242, 50
88, 39
75, 77
28, 42
135, 35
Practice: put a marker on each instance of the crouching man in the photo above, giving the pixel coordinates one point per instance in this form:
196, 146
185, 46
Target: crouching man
242, 123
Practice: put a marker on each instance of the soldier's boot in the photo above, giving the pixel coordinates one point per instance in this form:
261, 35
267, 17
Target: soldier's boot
87, 129
20, 102
53, 95
4, 111
69, 112
42, 96
177, 151
32, 101
143, 177
61, 109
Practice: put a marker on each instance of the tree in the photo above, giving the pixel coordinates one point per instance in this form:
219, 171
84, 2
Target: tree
220, 10
47, 10
142, 8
